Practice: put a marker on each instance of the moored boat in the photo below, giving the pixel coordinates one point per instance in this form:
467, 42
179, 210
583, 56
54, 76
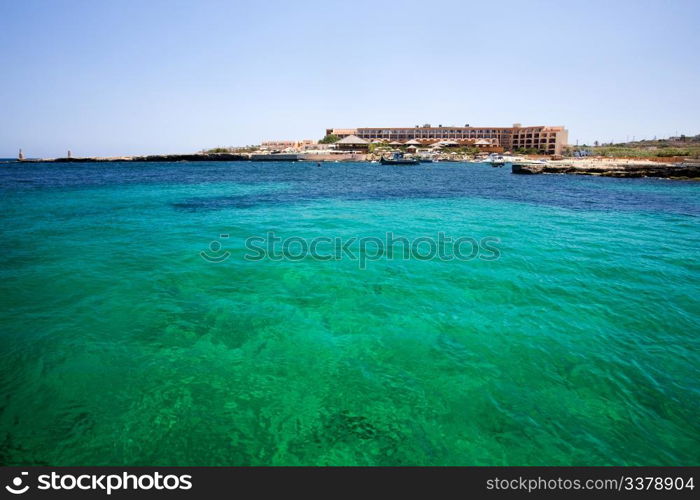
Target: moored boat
398, 159
496, 160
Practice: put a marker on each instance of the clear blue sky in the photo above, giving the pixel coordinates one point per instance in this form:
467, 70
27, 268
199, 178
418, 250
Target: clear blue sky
130, 77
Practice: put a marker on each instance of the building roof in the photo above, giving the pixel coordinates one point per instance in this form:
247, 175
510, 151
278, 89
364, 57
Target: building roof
344, 131
413, 141
352, 139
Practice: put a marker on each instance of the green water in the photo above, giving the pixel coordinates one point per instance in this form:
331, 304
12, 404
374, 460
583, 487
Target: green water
121, 345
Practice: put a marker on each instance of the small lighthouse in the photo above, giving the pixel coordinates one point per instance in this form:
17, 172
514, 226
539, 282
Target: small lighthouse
20, 156
69, 156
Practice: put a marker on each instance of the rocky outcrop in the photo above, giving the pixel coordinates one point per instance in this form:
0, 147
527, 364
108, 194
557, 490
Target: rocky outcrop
661, 170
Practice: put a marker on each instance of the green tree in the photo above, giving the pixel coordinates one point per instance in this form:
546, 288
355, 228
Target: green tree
329, 139
377, 146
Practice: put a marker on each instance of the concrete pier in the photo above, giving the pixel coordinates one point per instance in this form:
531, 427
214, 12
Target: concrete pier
276, 157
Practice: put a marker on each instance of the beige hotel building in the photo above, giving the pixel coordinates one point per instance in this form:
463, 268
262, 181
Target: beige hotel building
546, 140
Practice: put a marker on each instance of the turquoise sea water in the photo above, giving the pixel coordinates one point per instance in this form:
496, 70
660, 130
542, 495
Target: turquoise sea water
122, 345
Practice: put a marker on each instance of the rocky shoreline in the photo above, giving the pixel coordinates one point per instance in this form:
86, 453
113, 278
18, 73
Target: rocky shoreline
626, 169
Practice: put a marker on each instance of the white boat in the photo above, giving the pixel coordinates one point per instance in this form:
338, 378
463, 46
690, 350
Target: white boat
495, 160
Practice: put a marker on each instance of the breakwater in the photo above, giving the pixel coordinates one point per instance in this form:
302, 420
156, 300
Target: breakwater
148, 158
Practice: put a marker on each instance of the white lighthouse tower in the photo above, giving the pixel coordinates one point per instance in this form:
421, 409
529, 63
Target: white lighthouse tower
21, 155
